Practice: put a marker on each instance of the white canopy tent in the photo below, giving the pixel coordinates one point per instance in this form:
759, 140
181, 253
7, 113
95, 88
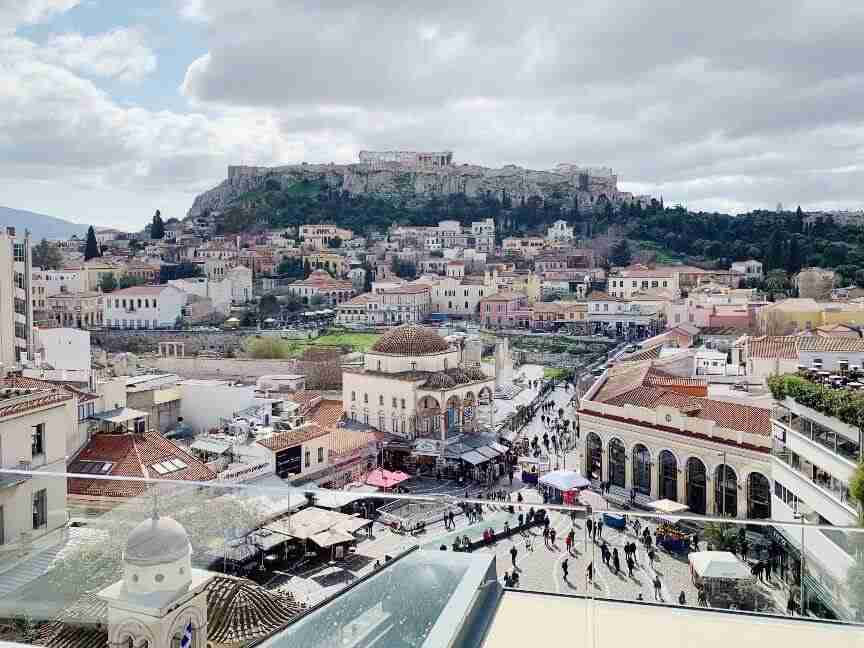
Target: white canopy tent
718, 564
564, 480
669, 507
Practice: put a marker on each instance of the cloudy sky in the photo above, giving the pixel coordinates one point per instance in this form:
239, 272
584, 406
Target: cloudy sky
110, 109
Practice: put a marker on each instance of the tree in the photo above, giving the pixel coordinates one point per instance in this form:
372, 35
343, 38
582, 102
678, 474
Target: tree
47, 256
127, 281
91, 248
157, 229
108, 283
793, 259
336, 242
775, 259
620, 254
268, 306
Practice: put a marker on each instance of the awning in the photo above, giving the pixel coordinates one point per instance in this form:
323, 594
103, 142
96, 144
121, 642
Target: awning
564, 480
668, 506
474, 458
216, 446
353, 525
719, 564
500, 447
331, 537
121, 415
266, 539
385, 479
487, 452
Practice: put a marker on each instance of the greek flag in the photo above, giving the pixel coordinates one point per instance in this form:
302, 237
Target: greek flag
186, 640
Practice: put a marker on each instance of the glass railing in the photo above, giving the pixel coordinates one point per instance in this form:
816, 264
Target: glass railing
263, 562
828, 439
824, 480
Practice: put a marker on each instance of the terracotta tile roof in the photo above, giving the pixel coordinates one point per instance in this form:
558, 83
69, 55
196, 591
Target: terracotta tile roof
831, 344
15, 401
305, 398
326, 414
343, 440
132, 455
784, 347
282, 440
644, 386
504, 296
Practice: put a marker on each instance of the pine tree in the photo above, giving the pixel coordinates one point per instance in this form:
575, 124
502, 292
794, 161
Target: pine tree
157, 229
793, 259
91, 248
775, 259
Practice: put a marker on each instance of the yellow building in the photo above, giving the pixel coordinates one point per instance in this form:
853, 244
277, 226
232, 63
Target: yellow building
792, 316
329, 261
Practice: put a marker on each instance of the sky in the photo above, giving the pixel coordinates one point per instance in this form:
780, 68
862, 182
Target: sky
111, 109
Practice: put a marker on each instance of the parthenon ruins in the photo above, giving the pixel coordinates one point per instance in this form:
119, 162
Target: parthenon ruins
410, 159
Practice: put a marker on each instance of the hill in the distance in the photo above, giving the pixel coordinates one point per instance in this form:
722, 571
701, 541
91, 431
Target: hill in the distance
40, 225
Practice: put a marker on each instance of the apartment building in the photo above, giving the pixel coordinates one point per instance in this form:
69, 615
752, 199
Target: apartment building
34, 423
319, 284
505, 310
625, 282
335, 264
813, 458
620, 318
527, 246
81, 310
144, 307
16, 298
320, 236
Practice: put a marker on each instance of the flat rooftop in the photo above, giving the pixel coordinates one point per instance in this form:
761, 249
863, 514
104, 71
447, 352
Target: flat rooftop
615, 624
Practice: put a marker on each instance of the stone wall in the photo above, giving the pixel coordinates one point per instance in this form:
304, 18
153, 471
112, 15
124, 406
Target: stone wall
144, 341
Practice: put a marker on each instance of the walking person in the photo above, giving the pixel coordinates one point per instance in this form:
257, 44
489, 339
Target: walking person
616, 561
600, 528
565, 568
651, 557
589, 572
630, 565
589, 525
552, 537
513, 552
657, 587
682, 598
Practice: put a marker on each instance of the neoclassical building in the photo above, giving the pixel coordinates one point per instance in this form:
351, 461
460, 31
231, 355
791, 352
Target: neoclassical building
415, 385
646, 429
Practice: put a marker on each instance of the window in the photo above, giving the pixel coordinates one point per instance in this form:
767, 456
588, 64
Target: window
379, 365
394, 402
381, 399
605, 307
365, 398
320, 455
40, 509
403, 403
353, 396
665, 284
37, 436
654, 284
307, 459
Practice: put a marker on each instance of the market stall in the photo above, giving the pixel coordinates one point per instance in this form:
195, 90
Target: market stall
727, 581
615, 521
532, 468
385, 479
669, 534
563, 486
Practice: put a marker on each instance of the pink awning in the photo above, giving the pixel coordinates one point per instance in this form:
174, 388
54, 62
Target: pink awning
385, 479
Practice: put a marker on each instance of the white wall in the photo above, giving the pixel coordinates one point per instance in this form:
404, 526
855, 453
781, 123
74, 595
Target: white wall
204, 402
66, 348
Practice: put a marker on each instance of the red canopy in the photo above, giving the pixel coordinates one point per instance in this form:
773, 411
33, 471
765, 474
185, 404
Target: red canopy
385, 479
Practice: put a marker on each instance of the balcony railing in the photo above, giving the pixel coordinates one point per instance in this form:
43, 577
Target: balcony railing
836, 487
358, 567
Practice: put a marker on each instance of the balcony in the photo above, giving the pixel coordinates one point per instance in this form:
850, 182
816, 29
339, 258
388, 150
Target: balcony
281, 568
821, 486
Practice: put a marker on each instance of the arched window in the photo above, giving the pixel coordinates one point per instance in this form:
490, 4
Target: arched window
667, 476
641, 469
758, 496
617, 463
696, 486
725, 491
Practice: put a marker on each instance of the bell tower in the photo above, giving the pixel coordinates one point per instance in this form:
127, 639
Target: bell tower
160, 597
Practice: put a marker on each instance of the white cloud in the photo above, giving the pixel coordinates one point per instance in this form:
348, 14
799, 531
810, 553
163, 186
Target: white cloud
20, 12
118, 54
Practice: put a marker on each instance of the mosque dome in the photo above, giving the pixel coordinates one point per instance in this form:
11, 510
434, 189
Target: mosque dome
157, 541
410, 340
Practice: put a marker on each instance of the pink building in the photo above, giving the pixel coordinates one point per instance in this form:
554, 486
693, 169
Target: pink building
504, 309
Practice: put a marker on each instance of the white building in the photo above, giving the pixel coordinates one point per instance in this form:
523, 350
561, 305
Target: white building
34, 424
560, 231
412, 384
144, 307
751, 269
16, 298
709, 362
814, 457
65, 348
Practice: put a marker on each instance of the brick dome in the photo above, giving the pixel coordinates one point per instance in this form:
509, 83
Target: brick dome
410, 340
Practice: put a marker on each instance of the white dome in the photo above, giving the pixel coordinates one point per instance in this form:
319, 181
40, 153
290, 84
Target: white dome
157, 541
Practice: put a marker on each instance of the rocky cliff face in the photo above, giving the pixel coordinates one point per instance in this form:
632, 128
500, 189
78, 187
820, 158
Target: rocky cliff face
400, 182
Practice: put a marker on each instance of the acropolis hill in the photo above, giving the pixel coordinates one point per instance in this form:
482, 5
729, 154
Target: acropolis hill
410, 175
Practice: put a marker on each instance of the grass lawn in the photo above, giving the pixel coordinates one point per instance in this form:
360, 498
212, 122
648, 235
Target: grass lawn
357, 341
554, 372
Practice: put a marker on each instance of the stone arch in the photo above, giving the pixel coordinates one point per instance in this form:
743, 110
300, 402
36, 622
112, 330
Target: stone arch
725, 490
453, 412
696, 479
428, 416
667, 475
758, 496
641, 466
485, 395
131, 631
593, 456
199, 626
617, 462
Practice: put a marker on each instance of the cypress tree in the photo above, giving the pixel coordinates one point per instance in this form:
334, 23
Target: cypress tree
157, 229
91, 248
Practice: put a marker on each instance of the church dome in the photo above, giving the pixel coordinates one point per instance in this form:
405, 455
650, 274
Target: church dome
439, 380
157, 541
410, 340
